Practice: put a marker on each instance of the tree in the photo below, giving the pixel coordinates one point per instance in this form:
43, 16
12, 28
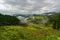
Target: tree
55, 20
8, 20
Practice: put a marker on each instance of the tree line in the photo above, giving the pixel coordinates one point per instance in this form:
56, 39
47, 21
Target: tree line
6, 20
55, 20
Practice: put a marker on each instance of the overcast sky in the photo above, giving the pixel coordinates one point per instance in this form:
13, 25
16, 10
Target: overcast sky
29, 6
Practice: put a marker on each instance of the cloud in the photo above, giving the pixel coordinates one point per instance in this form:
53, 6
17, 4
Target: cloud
29, 6
1, 1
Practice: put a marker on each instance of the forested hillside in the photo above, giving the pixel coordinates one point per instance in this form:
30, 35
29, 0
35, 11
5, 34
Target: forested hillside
46, 20
6, 20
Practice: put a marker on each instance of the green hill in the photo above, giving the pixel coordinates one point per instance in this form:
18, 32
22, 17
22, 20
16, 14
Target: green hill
8, 20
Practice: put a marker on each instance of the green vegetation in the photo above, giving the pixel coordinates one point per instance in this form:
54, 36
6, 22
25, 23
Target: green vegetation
8, 20
55, 20
40, 27
27, 33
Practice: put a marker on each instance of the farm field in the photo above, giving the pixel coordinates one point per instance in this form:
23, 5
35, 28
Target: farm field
28, 33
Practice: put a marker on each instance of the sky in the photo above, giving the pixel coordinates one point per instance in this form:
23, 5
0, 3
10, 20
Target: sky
29, 6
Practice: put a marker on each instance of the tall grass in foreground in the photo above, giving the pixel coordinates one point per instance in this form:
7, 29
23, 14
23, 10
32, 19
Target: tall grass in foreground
27, 33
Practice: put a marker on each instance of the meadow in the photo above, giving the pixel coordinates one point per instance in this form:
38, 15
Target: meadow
28, 33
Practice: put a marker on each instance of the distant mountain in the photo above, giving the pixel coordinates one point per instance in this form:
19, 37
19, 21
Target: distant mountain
49, 13
26, 15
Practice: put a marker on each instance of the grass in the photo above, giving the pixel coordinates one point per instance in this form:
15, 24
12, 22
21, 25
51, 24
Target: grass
27, 33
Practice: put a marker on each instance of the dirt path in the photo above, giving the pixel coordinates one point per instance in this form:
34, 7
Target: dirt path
37, 34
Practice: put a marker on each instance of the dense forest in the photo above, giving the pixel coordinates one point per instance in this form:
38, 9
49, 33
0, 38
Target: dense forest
55, 20
6, 20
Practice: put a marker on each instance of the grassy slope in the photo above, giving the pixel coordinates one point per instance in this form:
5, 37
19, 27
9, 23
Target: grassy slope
27, 33
31, 32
